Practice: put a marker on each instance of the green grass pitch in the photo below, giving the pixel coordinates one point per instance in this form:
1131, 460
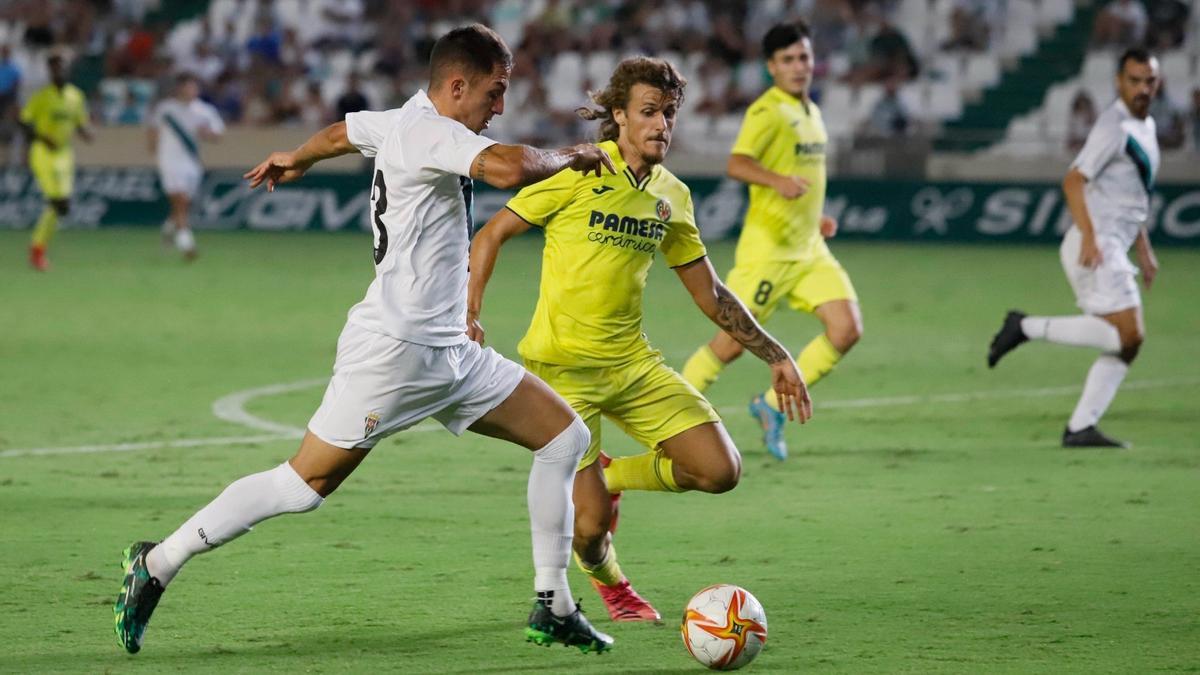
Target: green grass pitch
927, 521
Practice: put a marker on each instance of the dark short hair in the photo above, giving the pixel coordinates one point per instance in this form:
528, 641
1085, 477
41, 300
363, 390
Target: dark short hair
784, 35
1139, 54
475, 49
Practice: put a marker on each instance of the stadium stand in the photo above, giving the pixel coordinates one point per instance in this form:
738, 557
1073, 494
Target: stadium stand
995, 78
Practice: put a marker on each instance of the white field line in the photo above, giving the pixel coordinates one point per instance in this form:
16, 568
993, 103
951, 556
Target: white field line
231, 408
967, 397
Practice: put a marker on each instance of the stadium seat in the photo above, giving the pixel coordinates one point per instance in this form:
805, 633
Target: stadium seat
945, 101
600, 66
1054, 12
564, 81
1178, 73
982, 71
915, 98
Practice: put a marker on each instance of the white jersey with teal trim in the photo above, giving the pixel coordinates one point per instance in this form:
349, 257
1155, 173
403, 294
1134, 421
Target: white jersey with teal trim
1120, 160
179, 124
421, 202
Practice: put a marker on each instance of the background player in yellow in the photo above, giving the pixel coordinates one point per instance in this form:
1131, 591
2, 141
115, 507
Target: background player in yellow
51, 117
781, 255
586, 339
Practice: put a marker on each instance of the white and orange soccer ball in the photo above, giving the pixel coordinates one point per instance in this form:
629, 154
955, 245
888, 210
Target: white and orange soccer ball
724, 627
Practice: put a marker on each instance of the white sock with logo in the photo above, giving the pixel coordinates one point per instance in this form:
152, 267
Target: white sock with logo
552, 513
245, 503
1103, 380
1083, 330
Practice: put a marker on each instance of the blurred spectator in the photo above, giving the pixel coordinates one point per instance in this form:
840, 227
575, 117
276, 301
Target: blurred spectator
890, 117
1196, 119
1169, 121
1079, 123
10, 85
204, 64
227, 98
313, 110
1122, 23
266, 43
10, 80
889, 56
130, 112
970, 27
1167, 19
337, 23
351, 100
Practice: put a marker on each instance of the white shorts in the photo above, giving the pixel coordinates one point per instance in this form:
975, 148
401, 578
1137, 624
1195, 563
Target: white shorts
180, 178
1111, 286
382, 385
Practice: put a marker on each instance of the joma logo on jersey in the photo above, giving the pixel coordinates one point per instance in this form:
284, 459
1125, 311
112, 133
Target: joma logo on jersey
810, 148
651, 229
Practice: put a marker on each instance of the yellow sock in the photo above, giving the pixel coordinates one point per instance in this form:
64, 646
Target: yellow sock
703, 368
607, 572
648, 471
46, 225
815, 361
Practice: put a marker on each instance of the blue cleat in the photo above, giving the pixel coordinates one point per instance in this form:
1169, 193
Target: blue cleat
772, 425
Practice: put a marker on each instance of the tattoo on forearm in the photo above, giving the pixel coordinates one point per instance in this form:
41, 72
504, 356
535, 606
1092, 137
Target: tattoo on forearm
478, 173
733, 318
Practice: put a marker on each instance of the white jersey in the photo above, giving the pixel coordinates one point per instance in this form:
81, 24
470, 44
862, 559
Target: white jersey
179, 125
1120, 160
420, 210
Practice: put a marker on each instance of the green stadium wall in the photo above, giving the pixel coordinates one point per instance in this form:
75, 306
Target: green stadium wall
866, 209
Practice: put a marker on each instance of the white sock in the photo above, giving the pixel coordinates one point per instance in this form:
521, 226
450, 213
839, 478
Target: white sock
1083, 330
552, 513
184, 241
1103, 379
245, 503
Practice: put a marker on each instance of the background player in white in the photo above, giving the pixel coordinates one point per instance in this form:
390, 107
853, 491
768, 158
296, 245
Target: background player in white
1108, 194
404, 355
177, 125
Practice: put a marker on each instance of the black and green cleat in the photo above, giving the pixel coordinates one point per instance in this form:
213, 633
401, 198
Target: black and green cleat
573, 630
139, 596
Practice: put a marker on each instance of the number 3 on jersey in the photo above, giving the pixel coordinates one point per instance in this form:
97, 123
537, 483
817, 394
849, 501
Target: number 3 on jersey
380, 199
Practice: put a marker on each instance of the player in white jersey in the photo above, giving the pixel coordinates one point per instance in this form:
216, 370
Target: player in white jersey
404, 355
177, 126
1108, 194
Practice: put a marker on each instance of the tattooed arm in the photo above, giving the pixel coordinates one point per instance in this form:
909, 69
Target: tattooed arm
515, 166
722, 306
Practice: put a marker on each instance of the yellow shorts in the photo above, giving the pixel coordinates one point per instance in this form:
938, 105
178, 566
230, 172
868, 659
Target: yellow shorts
647, 399
806, 284
54, 170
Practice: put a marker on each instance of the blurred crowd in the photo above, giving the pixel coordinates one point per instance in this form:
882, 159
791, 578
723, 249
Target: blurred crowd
309, 62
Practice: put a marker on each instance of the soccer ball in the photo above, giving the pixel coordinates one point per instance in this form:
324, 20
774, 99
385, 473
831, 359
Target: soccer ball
724, 627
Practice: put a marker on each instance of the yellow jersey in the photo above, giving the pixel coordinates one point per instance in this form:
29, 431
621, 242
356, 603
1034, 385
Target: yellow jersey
56, 113
601, 237
787, 136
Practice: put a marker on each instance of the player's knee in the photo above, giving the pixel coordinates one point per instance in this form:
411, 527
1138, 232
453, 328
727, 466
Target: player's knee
720, 476
590, 527
845, 335
1130, 346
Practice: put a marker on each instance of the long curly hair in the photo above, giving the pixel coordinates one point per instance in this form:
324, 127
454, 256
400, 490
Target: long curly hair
653, 72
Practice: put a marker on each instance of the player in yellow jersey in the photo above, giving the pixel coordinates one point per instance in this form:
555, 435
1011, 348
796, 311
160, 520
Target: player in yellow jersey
781, 255
51, 117
586, 338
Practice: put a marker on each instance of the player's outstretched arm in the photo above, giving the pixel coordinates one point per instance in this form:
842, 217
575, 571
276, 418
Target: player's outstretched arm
722, 306
485, 249
514, 166
284, 167
749, 170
